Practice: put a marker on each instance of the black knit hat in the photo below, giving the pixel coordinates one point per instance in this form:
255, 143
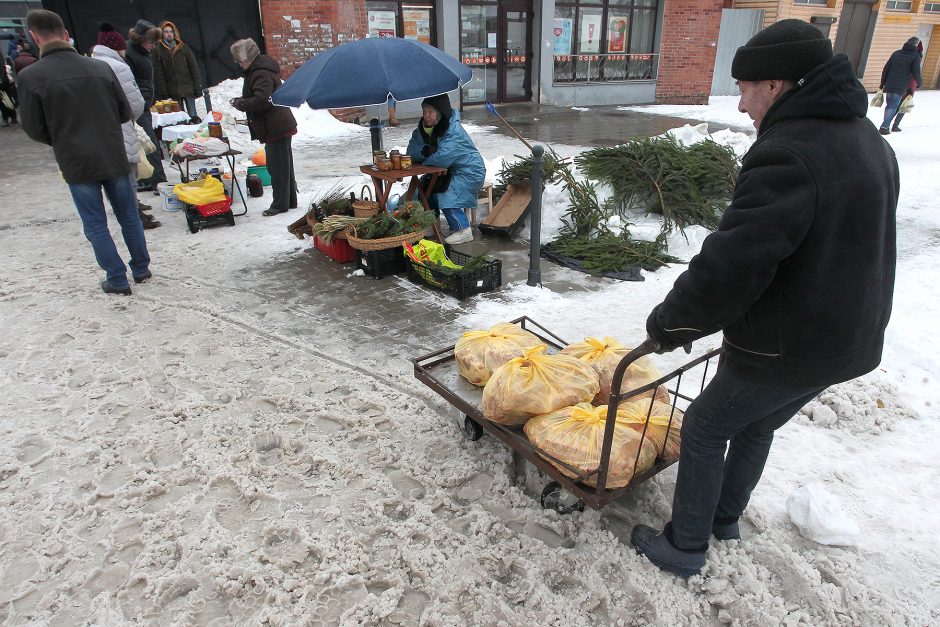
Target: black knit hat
142, 26
786, 50
441, 103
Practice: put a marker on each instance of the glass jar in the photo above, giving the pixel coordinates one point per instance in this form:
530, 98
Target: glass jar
395, 157
406, 162
215, 129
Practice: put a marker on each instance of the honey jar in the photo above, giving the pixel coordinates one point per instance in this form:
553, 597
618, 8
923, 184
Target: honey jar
378, 154
383, 164
395, 158
405, 162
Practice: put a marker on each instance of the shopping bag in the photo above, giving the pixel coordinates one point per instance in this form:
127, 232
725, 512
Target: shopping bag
604, 356
144, 167
480, 353
6, 100
201, 192
878, 99
906, 105
429, 253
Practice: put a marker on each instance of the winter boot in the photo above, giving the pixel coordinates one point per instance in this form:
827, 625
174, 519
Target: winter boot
148, 220
108, 288
725, 529
658, 548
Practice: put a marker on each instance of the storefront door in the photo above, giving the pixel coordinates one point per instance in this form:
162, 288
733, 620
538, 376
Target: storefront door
496, 42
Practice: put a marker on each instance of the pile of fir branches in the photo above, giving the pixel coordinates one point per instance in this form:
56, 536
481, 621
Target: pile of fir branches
521, 172
334, 201
409, 218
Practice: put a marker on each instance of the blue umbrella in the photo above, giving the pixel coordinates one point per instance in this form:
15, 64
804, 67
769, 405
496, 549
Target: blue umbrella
368, 71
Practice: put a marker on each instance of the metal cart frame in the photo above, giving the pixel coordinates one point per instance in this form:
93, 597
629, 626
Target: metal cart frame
475, 424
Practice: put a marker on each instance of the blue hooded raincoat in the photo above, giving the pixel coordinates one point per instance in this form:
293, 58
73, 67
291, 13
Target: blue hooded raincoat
456, 152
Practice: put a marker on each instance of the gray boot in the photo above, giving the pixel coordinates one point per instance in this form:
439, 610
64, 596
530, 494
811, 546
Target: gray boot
658, 549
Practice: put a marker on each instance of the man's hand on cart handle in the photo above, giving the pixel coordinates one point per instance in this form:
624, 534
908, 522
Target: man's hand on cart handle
654, 346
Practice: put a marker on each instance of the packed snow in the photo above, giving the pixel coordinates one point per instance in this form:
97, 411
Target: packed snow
219, 448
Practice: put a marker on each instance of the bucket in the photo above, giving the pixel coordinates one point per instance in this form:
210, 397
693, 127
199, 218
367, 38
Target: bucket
170, 201
262, 172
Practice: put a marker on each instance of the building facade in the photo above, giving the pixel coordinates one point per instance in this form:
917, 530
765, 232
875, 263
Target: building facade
560, 52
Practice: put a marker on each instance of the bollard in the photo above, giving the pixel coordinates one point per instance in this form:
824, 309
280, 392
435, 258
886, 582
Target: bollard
205, 96
375, 128
535, 217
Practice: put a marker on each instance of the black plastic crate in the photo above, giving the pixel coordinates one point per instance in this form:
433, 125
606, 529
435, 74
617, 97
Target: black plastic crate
379, 264
196, 221
486, 278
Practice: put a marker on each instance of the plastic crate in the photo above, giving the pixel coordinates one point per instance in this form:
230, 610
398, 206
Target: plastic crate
212, 214
338, 249
379, 264
486, 278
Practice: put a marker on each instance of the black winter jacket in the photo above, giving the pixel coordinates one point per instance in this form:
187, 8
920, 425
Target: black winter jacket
76, 105
902, 65
266, 121
141, 65
800, 274
176, 71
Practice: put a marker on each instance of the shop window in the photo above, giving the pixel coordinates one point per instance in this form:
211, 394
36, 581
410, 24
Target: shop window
478, 49
815, 3
604, 41
932, 7
406, 19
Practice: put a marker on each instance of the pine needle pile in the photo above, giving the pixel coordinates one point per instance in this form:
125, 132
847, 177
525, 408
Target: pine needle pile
409, 218
521, 172
332, 202
585, 217
685, 184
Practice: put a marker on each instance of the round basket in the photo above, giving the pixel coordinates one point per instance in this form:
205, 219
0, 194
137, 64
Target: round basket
365, 208
384, 242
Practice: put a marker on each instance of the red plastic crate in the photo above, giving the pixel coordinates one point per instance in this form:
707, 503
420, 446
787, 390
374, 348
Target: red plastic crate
215, 208
338, 249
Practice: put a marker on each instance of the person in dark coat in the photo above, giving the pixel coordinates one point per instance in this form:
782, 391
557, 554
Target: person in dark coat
903, 66
76, 105
142, 39
269, 124
176, 71
911, 88
8, 90
799, 278
25, 56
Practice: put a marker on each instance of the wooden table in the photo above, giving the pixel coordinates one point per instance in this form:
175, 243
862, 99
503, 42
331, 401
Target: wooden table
383, 181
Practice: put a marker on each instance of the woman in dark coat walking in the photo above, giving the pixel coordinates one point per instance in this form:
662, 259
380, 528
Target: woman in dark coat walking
269, 124
176, 72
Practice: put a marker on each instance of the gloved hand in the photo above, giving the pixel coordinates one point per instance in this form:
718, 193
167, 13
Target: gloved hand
428, 150
237, 103
665, 342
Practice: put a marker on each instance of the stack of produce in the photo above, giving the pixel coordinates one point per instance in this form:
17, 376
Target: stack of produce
536, 384
604, 356
575, 435
664, 428
480, 353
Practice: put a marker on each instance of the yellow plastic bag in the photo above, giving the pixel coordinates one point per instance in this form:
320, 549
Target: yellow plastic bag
665, 425
201, 192
575, 435
878, 99
479, 353
604, 356
537, 383
430, 252
907, 104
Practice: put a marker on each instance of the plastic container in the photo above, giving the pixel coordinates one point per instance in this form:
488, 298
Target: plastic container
171, 201
212, 214
379, 264
262, 172
486, 278
338, 249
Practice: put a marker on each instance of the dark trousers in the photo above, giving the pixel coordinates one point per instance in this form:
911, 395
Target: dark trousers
714, 486
281, 168
156, 157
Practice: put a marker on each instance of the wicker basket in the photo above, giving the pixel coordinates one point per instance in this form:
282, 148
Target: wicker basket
365, 208
311, 221
384, 242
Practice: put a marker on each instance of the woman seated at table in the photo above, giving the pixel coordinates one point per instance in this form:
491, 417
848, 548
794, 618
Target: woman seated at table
440, 141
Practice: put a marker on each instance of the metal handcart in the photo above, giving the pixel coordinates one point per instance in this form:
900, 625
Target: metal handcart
564, 493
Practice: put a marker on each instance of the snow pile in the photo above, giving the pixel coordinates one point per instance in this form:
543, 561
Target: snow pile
868, 404
719, 110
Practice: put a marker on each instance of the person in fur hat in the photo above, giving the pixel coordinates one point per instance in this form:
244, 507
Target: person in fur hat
142, 39
440, 140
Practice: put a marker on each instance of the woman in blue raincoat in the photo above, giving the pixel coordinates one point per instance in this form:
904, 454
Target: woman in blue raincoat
440, 141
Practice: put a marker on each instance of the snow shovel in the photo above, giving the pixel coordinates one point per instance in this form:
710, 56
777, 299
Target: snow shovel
491, 108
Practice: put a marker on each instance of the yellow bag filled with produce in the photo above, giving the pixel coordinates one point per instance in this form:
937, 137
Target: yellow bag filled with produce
479, 353
575, 435
604, 355
537, 383
200, 192
664, 435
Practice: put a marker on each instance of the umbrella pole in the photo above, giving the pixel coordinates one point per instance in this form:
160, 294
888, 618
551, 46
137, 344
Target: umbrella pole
375, 129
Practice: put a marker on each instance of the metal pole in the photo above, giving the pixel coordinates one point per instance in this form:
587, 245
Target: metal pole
205, 96
535, 217
375, 128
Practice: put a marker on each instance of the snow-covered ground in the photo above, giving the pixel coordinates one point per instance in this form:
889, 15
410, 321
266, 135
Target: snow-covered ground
211, 451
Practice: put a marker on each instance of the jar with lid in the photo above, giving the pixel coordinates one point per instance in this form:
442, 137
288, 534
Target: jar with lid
215, 129
395, 158
378, 154
406, 162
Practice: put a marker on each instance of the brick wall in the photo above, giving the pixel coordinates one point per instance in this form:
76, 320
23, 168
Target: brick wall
296, 30
687, 52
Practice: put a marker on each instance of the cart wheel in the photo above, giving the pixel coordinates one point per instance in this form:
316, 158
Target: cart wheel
556, 498
471, 430
231, 219
192, 226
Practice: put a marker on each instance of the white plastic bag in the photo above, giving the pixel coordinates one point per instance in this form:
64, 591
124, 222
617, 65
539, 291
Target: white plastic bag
819, 516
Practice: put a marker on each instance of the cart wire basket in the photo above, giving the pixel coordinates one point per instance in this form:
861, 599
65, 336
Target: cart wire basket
438, 371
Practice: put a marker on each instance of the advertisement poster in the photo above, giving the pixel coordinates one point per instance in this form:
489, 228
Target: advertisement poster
617, 34
382, 24
590, 40
417, 24
562, 32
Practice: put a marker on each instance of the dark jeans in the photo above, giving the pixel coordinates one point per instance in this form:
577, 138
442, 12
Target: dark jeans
123, 198
156, 157
189, 106
710, 484
281, 168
